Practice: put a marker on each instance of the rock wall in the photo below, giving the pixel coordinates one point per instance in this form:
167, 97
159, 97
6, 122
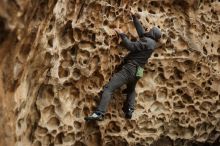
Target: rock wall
56, 55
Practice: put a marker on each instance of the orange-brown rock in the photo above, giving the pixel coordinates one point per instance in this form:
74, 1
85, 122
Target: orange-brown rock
56, 56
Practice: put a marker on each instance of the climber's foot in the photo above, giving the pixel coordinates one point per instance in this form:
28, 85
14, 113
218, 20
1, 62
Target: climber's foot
128, 112
97, 116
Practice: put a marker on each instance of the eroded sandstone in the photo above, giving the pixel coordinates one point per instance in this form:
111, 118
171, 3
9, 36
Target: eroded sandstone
57, 55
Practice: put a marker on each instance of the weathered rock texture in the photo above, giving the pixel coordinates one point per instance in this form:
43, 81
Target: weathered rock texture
56, 55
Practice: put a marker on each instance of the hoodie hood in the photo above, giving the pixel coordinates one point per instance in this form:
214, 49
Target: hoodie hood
154, 33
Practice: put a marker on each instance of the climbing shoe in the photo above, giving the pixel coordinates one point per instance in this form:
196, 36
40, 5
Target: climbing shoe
128, 112
97, 116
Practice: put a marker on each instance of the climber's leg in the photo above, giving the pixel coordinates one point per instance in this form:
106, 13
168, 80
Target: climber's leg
128, 107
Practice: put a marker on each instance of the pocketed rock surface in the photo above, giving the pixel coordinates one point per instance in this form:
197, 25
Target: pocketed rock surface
56, 56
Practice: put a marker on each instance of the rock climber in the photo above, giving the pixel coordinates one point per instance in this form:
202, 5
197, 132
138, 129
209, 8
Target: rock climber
131, 71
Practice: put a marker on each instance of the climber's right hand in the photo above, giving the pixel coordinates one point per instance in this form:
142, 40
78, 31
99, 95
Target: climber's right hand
119, 32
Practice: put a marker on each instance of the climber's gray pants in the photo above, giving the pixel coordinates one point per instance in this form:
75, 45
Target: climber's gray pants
125, 76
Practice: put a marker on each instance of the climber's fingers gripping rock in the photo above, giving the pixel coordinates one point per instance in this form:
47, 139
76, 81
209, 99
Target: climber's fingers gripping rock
119, 32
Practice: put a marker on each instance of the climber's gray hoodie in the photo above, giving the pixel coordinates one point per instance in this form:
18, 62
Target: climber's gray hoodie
142, 49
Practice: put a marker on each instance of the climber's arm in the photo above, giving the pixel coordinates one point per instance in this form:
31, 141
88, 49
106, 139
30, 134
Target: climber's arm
132, 46
139, 28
